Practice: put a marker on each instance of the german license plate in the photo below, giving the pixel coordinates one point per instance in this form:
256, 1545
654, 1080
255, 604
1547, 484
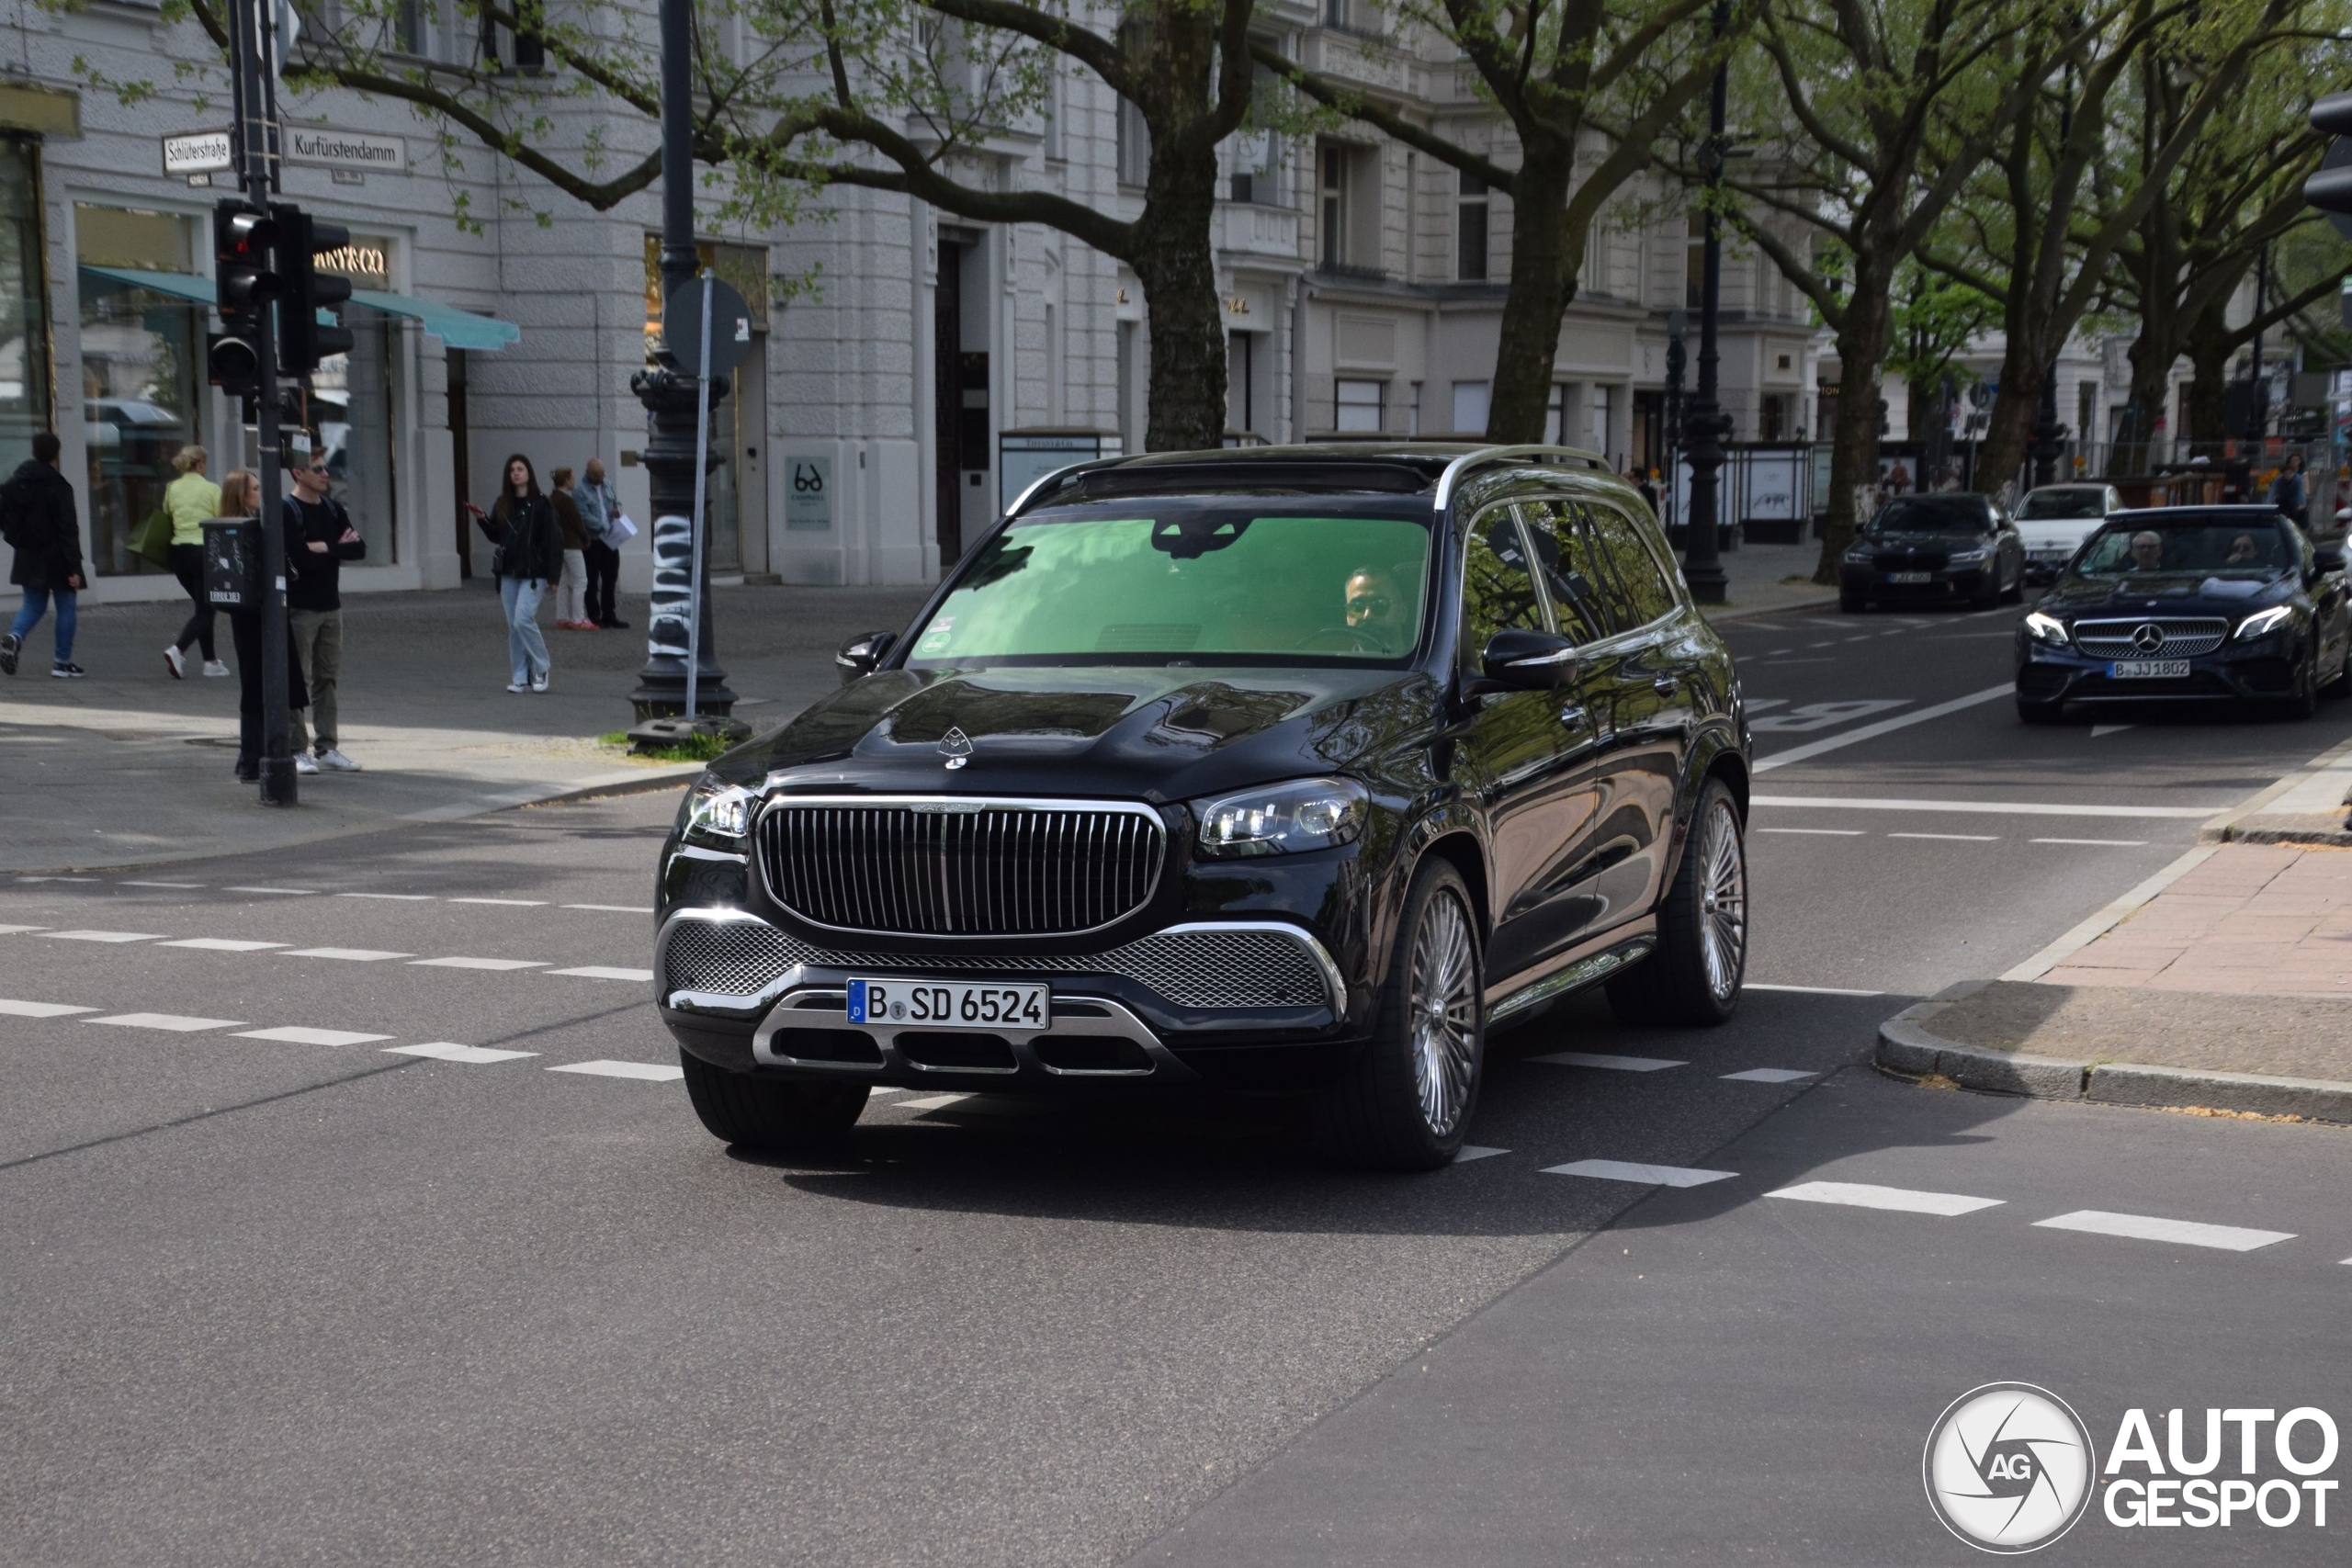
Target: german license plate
952, 1004
1910, 577
2149, 668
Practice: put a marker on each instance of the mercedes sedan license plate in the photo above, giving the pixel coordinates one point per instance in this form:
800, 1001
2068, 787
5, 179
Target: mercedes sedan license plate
1903, 577
2149, 668
963, 1004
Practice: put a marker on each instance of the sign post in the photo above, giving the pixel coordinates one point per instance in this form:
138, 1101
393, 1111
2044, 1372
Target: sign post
699, 527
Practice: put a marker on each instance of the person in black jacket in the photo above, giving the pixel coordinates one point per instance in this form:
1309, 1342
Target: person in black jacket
529, 556
37, 513
314, 602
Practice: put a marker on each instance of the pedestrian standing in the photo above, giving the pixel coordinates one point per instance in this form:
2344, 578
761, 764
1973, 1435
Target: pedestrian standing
2290, 492
190, 500
529, 555
241, 497
600, 512
317, 523
571, 588
38, 521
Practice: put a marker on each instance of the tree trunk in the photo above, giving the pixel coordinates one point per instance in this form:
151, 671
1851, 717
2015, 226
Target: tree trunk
1542, 272
1174, 263
2209, 358
2151, 354
2008, 431
1853, 453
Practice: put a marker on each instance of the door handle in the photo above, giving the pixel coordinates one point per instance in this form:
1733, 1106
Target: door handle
1574, 713
1664, 685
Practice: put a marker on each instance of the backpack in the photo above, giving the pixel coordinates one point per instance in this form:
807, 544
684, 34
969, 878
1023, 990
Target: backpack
14, 516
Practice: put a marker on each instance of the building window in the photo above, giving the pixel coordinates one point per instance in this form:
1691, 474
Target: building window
23, 303
1051, 114
1258, 150
1135, 145
141, 349
1360, 406
1331, 210
1470, 231
1694, 261
351, 411
1556, 416
2085, 414
1470, 399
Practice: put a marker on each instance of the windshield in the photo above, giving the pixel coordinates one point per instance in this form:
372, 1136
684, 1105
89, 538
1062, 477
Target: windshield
1187, 582
2209, 549
1931, 515
2047, 504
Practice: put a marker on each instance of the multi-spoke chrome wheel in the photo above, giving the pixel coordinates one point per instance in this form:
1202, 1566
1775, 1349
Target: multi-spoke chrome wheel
1723, 899
1444, 1003
1696, 973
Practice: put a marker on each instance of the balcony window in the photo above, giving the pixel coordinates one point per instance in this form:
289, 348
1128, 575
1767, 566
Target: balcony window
1470, 231
1360, 406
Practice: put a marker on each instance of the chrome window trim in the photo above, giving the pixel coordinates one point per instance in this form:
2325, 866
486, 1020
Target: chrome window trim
1457, 470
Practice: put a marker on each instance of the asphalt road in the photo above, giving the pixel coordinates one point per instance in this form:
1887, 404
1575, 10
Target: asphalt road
330, 1250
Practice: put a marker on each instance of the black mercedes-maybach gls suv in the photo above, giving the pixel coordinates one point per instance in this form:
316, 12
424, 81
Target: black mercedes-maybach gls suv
1285, 771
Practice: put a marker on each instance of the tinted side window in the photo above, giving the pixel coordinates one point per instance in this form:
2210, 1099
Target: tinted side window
1628, 558
1497, 590
1564, 556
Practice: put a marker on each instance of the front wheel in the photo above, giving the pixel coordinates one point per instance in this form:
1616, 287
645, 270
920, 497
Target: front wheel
773, 1116
1404, 1101
2303, 701
2015, 593
1701, 958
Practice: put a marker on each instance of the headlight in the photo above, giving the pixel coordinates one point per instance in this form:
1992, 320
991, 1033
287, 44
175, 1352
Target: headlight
2045, 628
716, 809
1861, 550
1284, 818
1967, 557
2263, 621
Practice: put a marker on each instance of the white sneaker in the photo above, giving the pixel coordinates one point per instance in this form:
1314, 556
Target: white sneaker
174, 660
302, 763
539, 682
333, 758
518, 688
214, 667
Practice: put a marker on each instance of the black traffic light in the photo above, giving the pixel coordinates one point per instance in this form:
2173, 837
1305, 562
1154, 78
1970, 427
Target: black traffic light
302, 339
2330, 190
232, 363
244, 282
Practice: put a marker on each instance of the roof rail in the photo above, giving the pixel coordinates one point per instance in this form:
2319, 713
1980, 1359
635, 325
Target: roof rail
1460, 468
1046, 481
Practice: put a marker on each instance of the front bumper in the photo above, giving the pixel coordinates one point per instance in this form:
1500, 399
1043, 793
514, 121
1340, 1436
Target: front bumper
2260, 670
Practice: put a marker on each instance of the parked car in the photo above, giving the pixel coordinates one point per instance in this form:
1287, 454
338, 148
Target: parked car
2215, 603
2053, 521
1934, 547
1282, 769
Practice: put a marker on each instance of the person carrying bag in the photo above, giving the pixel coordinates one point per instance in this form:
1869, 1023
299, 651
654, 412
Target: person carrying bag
529, 556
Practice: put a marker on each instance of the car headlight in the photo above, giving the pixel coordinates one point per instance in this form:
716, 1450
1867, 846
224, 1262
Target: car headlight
1967, 557
2263, 621
1283, 819
716, 809
2045, 628
1861, 550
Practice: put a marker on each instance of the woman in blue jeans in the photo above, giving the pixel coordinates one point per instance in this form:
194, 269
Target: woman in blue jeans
529, 556
37, 509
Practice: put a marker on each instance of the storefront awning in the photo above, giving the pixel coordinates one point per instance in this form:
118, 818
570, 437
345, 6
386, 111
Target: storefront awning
178, 285
459, 329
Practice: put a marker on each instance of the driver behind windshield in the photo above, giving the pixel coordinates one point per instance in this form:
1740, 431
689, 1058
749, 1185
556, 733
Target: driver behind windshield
1374, 608
2147, 551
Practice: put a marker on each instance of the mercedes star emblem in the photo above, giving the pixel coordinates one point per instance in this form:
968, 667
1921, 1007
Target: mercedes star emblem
956, 747
2147, 636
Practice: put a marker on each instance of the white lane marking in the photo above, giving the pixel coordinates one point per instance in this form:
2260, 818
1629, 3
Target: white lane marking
1831, 643
506, 903
1469, 1152
2147, 1227
1884, 727
1618, 1063
1809, 990
1779, 651
1980, 807
57, 879
885, 1088
1759, 704
285, 892
1817, 832
1769, 1075
348, 954
931, 1101
181, 886
1810, 717
1755, 627
2099, 730
173, 1021
479, 964
1900, 1200
38, 1010
1648, 1175
650, 1071
107, 936
220, 944
615, 909
397, 897
1963, 838
449, 1051
606, 972
14, 930
2107, 844
293, 1035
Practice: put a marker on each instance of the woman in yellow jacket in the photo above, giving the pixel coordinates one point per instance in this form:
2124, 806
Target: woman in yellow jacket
191, 499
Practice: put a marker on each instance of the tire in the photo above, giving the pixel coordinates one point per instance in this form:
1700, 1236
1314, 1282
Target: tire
1989, 596
1695, 974
2341, 685
1405, 1100
2040, 713
1852, 602
773, 1116
2015, 593
2303, 701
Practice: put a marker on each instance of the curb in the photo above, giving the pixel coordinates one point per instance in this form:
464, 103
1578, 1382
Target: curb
632, 783
2243, 823
1829, 597
1908, 1048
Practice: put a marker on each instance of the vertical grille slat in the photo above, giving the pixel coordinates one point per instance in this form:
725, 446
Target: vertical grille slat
1002, 871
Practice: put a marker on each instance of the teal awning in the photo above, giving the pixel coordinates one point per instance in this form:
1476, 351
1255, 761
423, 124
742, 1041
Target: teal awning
459, 329
178, 285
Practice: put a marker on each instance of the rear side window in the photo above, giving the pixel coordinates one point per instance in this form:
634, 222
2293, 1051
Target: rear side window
1640, 583
1497, 590
1581, 587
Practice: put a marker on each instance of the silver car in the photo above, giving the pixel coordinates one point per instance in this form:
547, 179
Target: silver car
2054, 520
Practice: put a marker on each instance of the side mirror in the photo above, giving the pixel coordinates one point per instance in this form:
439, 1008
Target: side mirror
861, 656
1527, 661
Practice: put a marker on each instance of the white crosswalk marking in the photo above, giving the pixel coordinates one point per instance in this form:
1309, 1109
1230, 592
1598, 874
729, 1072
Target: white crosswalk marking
181, 887
606, 972
281, 892
175, 1023
2147, 1227
1902, 1200
1962, 837
615, 909
931, 1101
1768, 1075
479, 964
2104, 843
18, 930
394, 898
506, 903
1808, 990
294, 1034
348, 954
1816, 832
1646, 1175
1616, 1064
449, 1051
651, 1072
222, 944
107, 936
38, 1010
1477, 1151
57, 879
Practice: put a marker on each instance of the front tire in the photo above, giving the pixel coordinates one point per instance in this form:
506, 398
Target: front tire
772, 1115
1701, 958
2015, 593
1405, 1100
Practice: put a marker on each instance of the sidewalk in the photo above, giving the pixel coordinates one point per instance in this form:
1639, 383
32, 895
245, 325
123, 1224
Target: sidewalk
132, 767
1758, 580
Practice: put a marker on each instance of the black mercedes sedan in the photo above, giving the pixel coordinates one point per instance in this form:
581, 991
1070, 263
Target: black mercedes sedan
1935, 548
2217, 603
1283, 770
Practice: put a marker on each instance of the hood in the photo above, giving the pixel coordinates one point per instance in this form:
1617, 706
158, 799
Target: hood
1147, 733
1925, 544
2170, 593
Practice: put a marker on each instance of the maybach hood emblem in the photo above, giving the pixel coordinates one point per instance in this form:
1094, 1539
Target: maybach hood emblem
956, 745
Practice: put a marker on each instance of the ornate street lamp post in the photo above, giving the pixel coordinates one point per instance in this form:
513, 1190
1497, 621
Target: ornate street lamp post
1705, 424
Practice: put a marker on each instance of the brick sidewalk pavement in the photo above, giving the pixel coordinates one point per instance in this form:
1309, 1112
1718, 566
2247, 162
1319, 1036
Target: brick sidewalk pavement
2254, 919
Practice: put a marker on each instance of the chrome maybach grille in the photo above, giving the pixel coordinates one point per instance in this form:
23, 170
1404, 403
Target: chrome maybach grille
961, 868
1215, 968
2175, 636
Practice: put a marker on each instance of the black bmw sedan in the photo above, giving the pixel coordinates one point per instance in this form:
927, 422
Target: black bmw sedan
1935, 548
2217, 603
1285, 771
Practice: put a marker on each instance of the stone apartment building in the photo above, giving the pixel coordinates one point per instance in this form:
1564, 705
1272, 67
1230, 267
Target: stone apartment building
883, 416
